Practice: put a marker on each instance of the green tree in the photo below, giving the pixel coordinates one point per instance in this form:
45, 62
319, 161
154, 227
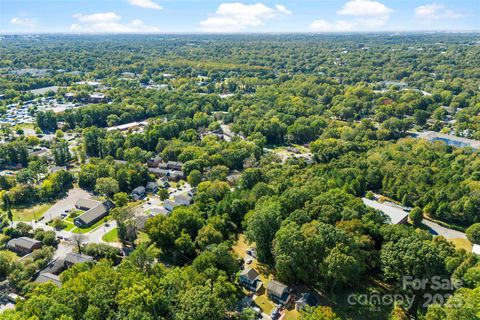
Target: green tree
416, 216
318, 313
106, 186
194, 178
473, 233
120, 199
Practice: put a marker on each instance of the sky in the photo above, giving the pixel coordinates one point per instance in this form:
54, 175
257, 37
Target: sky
210, 16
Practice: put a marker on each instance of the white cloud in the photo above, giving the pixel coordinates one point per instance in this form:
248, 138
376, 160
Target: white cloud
233, 17
364, 8
109, 22
148, 4
366, 15
282, 9
325, 26
436, 11
101, 17
21, 22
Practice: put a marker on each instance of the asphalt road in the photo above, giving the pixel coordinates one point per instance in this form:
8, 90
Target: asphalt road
66, 203
437, 229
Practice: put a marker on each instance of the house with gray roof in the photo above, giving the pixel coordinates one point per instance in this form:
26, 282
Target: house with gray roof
74, 258
95, 210
249, 278
278, 292
49, 277
23, 245
396, 213
138, 193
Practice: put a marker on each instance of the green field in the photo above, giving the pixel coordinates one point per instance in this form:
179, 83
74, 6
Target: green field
111, 236
32, 213
92, 227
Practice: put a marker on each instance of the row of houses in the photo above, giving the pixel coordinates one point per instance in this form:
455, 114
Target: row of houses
95, 97
51, 274
277, 292
449, 139
140, 192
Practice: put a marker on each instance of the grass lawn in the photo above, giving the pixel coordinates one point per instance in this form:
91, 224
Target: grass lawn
29, 214
111, 236
92, 227
263, 303
462, 244
76, 213
69, 226
292, 315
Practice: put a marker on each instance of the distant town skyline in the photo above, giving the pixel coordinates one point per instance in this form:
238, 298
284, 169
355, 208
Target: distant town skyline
195, 16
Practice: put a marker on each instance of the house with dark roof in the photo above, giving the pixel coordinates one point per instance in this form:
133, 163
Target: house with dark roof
74, 258
175, 175
95, 210
138, 193
278, 292
169, 204
49, 277
159, 172
249, 279
175, 165
152, 187
183, 199
163, 182
23, 245
154, 162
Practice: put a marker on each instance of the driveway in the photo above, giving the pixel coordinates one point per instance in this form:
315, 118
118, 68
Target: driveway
439, 230
66, 203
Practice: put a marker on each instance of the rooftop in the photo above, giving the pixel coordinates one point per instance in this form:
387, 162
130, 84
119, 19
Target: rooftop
396, 213
49, 277
449, 139
74, 258
24, 242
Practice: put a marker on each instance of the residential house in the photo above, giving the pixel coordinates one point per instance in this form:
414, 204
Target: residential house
278, 292
449, 139
159, 172
97, 98
163, 182
182, 199
74, 258
175, 165
152, 187
95, 211
175, 175
249, 278
24, 245
49, 277
169, 204
154, 162
158, 210
140, 222
163, 165
396, 213
138, 193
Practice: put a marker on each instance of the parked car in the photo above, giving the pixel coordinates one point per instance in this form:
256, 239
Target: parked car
249, 261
